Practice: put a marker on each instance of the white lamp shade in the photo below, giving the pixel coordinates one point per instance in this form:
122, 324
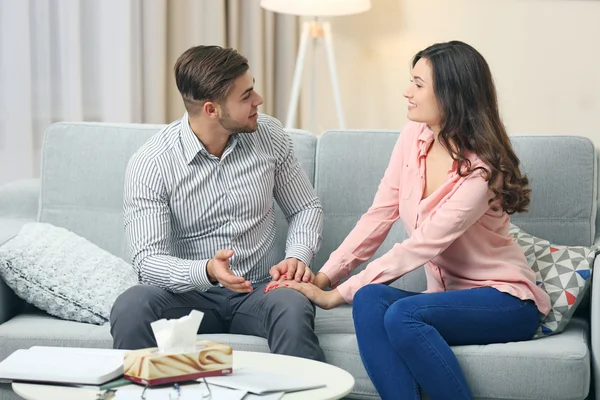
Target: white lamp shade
317, 8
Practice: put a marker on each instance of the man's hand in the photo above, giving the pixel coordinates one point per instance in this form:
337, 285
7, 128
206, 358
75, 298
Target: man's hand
322, 281
323, 299
218, 270
292, 269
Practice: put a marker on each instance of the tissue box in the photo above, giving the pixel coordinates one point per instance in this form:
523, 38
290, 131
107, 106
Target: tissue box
149, 367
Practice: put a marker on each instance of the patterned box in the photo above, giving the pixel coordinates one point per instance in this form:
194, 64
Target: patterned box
148, 367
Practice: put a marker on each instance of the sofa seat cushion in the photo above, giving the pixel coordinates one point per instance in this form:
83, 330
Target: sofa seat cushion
553, 367
40, 329
336, 320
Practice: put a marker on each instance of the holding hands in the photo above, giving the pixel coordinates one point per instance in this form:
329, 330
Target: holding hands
312, 289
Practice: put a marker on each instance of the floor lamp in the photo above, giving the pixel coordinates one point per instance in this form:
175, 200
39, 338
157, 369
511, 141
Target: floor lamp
317, 30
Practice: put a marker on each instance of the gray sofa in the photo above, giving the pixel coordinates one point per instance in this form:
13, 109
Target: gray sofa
81, 189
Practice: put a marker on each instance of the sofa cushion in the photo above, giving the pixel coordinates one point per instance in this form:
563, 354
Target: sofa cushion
64, 274
563, 209
336, 320
10, 303
564, 272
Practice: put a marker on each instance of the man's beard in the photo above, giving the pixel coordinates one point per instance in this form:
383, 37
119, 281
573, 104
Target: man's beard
234, 127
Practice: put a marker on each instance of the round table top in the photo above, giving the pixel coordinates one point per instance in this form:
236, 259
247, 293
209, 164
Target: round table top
339, 382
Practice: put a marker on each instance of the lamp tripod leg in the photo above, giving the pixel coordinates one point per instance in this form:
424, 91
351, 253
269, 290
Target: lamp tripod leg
333, 72
293, 105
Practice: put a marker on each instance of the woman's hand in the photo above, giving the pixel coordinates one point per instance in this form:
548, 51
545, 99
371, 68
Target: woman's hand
323, 299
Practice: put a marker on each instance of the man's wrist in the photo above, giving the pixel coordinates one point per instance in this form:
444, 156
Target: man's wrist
198, 274
300, 253
209, 273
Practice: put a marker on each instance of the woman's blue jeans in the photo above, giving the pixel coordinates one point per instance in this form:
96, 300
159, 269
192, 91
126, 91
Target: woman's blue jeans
404, 338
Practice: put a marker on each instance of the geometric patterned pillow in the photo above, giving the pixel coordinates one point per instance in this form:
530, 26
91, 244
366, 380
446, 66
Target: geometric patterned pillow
564, 272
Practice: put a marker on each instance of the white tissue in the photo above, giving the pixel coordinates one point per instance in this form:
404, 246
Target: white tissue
177, 335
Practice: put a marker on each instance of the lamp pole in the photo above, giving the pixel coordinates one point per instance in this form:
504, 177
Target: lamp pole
317, 31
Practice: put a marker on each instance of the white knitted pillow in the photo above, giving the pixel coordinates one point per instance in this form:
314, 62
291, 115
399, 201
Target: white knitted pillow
64, 274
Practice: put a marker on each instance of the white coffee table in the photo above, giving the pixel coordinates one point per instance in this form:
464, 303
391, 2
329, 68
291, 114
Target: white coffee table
339, 382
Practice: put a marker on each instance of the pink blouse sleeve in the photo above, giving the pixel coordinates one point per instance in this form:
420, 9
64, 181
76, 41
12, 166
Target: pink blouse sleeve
465, 205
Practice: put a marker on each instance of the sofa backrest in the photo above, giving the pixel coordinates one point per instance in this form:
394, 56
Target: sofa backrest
563, 175
83, 167
561, 170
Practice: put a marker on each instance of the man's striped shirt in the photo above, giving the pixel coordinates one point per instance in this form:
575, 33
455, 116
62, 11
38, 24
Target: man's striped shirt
182, 204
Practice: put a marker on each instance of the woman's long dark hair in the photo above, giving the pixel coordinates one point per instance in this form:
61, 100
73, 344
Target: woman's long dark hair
470, 120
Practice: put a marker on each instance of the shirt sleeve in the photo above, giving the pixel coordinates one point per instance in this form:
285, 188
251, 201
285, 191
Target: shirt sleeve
297, 199
461, 209
147, 216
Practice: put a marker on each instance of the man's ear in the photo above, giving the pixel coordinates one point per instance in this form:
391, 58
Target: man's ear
211, 109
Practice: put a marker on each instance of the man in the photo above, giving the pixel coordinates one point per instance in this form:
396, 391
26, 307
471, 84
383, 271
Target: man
199, 216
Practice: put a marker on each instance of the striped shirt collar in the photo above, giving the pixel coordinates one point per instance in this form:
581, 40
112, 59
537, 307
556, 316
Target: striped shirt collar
192, 145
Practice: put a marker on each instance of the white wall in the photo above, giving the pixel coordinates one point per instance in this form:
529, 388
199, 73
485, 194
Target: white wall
544, 54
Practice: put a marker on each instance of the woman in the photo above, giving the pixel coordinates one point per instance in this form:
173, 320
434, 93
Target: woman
453, 179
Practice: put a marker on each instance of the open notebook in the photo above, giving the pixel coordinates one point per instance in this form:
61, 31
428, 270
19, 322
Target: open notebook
63, 365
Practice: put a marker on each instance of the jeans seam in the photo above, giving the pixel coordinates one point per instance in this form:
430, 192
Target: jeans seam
510, 308
416, 387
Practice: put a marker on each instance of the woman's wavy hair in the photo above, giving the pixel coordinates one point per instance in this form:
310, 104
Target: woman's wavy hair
470, 120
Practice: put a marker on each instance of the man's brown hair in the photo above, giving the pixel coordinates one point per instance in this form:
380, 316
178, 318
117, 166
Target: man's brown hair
206, 73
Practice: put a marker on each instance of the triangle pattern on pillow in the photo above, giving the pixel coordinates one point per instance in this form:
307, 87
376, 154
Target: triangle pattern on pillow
564, 272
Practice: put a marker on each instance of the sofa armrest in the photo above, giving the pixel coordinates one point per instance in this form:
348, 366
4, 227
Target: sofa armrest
18, 206
595, 324
20, 199
10, 303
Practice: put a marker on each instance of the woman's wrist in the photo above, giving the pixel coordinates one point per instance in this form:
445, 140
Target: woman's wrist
322, 281
335, 299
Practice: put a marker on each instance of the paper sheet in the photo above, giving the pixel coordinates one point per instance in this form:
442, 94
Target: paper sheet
263, 382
